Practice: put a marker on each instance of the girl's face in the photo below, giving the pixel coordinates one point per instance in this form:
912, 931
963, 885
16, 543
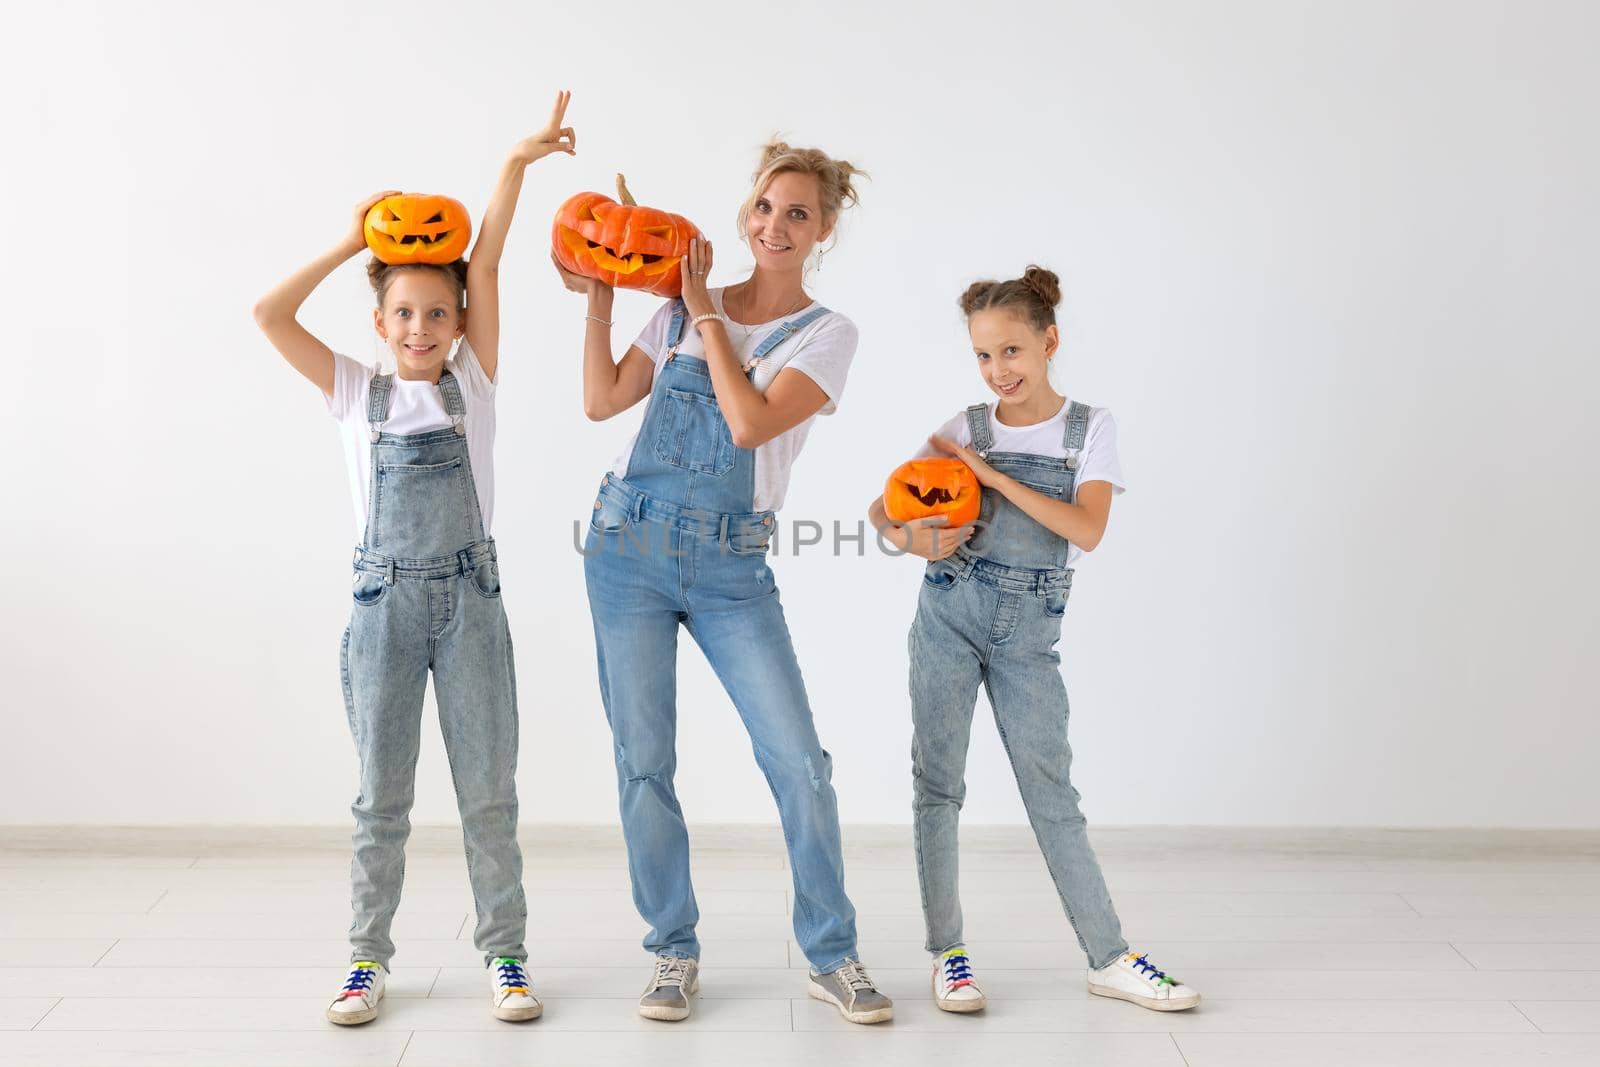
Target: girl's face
420, 321
785, 222
1013, 357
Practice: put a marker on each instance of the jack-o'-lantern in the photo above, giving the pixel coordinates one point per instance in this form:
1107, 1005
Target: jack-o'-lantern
934, 485
413, 228
621, 243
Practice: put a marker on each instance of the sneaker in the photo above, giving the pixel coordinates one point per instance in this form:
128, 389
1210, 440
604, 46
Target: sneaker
1136, 980
852, 992
954, 988
667, 996
358, 1001
513, 995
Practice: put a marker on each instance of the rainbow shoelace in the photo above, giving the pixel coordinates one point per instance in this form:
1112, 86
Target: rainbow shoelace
359, 984
957, 969
1147, 970
512, 977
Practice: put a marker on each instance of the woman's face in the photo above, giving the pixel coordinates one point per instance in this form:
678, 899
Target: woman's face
1013, 357
785, 222
420, 321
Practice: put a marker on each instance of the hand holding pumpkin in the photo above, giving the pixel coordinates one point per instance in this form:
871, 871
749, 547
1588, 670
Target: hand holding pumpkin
933, 538
698, 266
553, 138
356, 239
987, 476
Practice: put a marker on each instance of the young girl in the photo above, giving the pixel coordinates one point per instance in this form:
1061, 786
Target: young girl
427, 587
990, 612
735, 378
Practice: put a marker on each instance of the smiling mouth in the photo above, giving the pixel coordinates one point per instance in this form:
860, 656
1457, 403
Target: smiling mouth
420, 350
1010, 388
772, 247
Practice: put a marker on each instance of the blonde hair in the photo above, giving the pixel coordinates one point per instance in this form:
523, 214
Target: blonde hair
1035, 295
835, 179
382, 275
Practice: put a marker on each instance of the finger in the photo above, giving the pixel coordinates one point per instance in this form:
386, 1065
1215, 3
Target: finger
572, 138
559, 112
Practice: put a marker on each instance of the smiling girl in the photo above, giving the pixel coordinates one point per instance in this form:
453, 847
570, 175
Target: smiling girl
989, 613
426, 585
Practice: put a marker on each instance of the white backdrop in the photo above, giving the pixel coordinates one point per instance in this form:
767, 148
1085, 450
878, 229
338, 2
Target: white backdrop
1326, 262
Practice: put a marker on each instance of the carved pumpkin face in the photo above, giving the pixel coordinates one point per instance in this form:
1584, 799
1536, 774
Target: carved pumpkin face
622, 244
411, 228
935, 485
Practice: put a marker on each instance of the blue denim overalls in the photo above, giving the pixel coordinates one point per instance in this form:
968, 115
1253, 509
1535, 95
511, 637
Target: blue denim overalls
677, 543
991, 613
427, 597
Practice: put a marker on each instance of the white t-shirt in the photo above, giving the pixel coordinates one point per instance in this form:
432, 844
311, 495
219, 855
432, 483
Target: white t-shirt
822, 350
415, 407
1097, 463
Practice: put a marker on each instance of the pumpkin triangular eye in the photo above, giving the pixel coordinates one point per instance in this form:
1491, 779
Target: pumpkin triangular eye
657, 231
438, 216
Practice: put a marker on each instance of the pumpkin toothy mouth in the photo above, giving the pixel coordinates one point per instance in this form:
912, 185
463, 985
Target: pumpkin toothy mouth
933, 496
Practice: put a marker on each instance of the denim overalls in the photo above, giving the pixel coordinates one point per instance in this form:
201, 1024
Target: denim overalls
427, 596
991, 613
678, 543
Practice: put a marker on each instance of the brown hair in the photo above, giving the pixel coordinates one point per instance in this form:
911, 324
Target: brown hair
382, 275
835, 178
1034, 296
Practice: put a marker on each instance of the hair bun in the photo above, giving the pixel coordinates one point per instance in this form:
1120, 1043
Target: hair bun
1044, 283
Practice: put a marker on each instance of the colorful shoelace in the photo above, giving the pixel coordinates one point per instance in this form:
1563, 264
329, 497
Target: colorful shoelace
1147, 970
512, 977
957, 969
359, 984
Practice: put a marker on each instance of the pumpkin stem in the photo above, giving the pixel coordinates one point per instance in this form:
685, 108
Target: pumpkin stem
623, 195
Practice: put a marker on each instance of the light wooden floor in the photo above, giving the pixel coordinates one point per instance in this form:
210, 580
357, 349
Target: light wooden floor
1311, 947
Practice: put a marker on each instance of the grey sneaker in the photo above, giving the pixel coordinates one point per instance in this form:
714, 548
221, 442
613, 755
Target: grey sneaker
667, 996
852, 992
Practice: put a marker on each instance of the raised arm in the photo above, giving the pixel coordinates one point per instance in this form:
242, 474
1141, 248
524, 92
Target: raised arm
275, 313
483, 268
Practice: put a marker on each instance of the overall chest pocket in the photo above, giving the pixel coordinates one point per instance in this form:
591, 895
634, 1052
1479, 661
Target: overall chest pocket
693, 434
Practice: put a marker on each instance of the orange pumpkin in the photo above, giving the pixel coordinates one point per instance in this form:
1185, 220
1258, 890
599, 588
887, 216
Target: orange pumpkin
413, 228
622, 244
935, 485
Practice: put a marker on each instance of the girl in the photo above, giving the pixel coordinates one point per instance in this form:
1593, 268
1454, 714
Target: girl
427, 586
990, 612
735, 377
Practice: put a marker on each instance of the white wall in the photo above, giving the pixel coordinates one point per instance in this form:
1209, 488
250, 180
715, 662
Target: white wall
1327, 263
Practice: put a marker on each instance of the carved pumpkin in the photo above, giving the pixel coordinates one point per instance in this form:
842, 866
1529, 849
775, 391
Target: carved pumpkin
412, 228
935, 485
622, 244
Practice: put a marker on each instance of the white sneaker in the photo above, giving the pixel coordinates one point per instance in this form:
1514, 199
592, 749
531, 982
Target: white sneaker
1135, 979
954, 988
358, 1001
512, 992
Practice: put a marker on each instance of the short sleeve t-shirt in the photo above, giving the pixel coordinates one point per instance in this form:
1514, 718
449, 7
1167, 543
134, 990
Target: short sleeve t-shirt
1097, 463
822, 351
415, 407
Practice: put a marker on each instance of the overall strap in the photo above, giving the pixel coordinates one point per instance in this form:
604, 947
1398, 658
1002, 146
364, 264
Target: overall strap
1072, 440
450, 390
675, 330
978, 423
1076, 432
781, 334
378, 402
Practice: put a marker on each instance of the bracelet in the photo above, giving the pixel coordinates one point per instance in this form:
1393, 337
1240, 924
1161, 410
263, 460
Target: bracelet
603, 322
698, 319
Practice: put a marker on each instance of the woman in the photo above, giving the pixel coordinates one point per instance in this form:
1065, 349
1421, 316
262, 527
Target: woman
679, 536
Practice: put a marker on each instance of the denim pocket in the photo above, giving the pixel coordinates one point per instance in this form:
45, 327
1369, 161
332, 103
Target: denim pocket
939, 575
368, 588
486, 580
693, 434
1055, 603
751, 540
609, 516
